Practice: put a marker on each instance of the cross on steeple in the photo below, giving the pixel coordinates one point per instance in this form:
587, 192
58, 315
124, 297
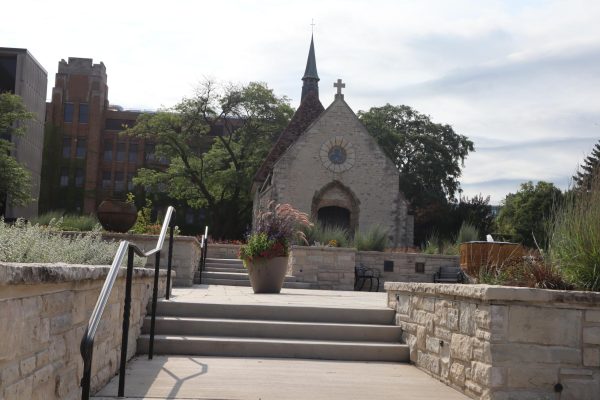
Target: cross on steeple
339, 85
312, 25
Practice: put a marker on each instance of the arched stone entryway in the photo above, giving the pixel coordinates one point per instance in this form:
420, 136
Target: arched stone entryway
336, 204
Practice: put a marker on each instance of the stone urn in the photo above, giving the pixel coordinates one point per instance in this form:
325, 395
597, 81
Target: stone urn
267, 275
116, 215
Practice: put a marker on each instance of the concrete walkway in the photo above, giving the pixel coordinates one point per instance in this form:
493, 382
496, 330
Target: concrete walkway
293, 297
226, 378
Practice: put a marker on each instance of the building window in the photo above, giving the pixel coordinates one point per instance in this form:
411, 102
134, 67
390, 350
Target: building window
118, 124
68, 117
66, 147
106, 180
133, 149
108, 150
120, 151
119, 181
80, 150
84, 113
189, 217
129, 181
79, 178
64, 177
149, 152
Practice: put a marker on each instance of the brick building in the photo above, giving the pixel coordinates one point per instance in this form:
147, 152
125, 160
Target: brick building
86, 159
21, 74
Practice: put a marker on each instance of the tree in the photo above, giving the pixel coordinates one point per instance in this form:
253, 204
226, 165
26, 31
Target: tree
428, 155
589, 169
15, 181
215, 142
524, 214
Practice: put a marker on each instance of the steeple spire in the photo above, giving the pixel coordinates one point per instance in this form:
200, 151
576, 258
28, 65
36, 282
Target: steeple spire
310, 78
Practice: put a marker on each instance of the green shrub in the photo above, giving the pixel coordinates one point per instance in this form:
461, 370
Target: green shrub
323, 235
26, 243
436, 245
574, 237
67, 222
374, 239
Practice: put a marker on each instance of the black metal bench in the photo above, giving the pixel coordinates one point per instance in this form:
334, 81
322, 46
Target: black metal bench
449, 274
362, 274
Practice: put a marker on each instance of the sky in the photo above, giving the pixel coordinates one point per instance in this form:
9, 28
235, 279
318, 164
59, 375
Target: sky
520, 78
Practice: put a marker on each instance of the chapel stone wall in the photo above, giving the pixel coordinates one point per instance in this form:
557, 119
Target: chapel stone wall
300, 174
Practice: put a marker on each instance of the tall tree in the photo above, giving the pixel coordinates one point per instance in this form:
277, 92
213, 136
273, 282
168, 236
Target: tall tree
588, 170
215, 141
428, 155
15, 181
524, 214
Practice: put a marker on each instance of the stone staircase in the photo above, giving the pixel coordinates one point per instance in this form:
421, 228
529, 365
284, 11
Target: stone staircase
281, 331
231, 272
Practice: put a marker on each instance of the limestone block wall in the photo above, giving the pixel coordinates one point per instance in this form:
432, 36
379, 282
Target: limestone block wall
44, 310
494, 342
405, 265
323, 267
186, 254
223, 250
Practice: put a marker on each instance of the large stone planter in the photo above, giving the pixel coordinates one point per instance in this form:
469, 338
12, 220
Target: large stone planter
267, 275
116, 215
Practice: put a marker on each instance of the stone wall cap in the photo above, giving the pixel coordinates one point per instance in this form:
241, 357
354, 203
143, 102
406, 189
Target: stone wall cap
324, 248
131, 237
489, 293
36, 273
231, 245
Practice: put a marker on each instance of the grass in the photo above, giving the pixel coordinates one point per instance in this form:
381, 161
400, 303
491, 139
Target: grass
574, 237
317, 234
374, 239
67, 222
23, 242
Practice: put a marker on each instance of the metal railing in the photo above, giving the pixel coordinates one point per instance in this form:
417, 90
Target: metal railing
203, 253
87, 342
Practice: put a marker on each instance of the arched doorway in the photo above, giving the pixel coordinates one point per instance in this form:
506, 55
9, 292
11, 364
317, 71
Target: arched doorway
334, 216
336, 205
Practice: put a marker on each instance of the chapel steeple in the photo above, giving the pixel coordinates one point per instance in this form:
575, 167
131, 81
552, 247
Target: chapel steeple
310, 78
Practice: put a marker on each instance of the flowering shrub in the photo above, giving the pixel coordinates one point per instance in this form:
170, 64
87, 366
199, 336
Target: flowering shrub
274, 229
26, 243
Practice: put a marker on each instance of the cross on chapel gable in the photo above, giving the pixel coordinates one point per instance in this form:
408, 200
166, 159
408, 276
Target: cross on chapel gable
339, 85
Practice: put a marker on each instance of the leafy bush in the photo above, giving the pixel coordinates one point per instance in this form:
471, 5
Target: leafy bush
67, 222
374, 239
26, 243
260, 246
325, 235
574, 237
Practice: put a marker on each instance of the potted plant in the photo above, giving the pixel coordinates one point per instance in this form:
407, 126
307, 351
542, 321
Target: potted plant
117, 215
266, 253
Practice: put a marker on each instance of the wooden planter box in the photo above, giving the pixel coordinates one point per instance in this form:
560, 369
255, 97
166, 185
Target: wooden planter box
474, 255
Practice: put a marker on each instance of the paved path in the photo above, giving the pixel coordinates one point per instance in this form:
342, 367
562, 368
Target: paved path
296, 297
223, 378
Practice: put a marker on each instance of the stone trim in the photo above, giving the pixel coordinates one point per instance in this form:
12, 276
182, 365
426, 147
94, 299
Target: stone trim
490, 293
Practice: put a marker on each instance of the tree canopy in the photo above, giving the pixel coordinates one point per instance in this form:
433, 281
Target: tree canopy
428, 155
588, 170
214, 141
15, 180
524, 214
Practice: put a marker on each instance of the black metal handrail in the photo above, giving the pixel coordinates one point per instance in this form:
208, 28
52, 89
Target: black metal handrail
203, 252
87, 342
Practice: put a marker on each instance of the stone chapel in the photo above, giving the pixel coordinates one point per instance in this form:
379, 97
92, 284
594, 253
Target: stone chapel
326, 164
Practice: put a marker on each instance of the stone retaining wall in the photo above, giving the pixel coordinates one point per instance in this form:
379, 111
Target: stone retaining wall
44, 310
333, 267
216, 250
493, 342
186, 254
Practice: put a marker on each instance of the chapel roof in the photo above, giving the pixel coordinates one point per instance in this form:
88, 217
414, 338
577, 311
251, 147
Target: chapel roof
310, 109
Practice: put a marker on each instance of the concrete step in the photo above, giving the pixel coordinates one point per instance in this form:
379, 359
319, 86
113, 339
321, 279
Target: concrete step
225, 282
274, 329
377, 316
224, 275
227, 269
280, 348
228, 261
